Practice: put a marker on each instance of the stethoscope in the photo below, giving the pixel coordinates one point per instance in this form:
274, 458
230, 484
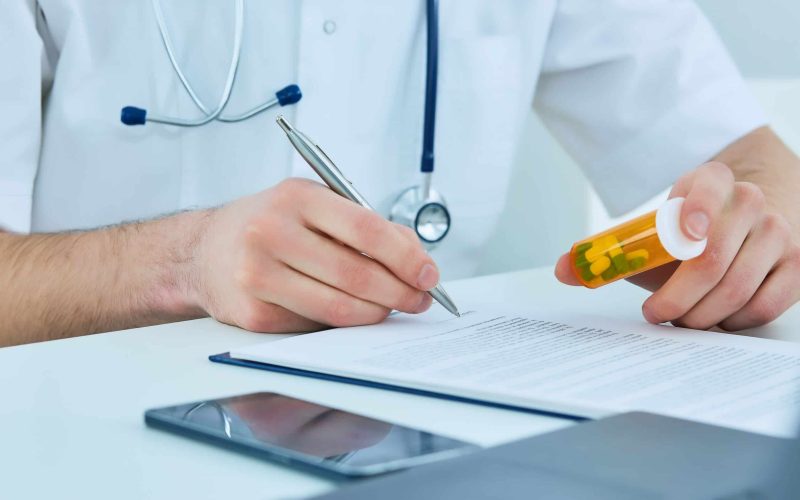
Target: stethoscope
421, 207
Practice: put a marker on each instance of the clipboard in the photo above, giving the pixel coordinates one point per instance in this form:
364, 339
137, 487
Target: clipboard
225, 358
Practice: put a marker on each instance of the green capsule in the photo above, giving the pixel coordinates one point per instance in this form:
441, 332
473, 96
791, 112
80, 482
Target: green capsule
637, 263
583, 247
620, 263
609, 274
580, 260
586, 274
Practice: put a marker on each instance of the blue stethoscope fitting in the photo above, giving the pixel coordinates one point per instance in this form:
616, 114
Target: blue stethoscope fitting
420, 207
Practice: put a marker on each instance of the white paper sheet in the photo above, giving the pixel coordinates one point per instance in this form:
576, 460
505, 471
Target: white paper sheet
578, 365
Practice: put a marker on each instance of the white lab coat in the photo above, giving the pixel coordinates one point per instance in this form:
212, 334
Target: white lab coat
638, 91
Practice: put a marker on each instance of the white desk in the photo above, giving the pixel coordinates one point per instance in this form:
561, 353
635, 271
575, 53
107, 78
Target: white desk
71, 410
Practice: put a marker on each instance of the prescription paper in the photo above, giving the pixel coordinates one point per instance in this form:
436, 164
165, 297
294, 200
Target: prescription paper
577, 365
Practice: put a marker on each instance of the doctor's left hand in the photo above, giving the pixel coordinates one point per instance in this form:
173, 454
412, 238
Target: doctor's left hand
748, 274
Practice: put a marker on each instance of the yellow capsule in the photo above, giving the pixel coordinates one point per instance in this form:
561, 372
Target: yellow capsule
601, 264
612, 245
644, 254
596, 251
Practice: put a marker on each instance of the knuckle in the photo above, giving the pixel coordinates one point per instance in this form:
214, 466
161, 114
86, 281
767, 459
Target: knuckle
668, 309
713, 263
691, 322
414, 259
380, 314
371, 228
251, 273
272, 234
242, 278
749, 195
249, 280
259, 232
793, 259
287, 192
268, 233
258, 317
356, 278
409, 299
340, 311
407, 232
292, 185
251, 234
738, 292
414, 255
246, 275
765, 310
719, 170
776, 227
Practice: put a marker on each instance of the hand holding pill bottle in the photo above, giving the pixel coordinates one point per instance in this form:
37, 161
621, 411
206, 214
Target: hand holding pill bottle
641, 244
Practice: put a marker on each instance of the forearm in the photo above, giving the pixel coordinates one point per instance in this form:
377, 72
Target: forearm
63, 285
762, 158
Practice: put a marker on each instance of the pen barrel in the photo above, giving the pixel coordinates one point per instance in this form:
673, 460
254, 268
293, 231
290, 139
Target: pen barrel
326, 169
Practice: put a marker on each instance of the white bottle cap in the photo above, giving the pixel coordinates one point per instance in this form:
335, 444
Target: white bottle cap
672, 237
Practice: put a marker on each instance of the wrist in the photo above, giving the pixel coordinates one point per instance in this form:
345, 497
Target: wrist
179, 290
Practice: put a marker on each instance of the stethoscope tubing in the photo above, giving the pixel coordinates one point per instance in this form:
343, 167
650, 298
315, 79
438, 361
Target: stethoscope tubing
431, 77
229, 81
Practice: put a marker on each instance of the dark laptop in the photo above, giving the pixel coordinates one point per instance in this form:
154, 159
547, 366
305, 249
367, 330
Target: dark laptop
629, 456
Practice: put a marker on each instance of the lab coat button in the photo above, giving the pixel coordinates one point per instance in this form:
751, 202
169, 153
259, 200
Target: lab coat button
329, 27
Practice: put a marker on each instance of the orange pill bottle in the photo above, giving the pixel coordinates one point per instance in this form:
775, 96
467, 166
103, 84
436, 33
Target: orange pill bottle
641, 244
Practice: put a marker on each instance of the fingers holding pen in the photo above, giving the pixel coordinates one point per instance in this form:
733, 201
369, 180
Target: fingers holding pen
367, 232
309, 298
298, 257
345, 269
314, 257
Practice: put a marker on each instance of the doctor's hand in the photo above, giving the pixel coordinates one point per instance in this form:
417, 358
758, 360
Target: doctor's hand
748, 274
293, 258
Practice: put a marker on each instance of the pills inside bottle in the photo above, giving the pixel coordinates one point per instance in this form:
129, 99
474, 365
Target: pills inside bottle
641, 244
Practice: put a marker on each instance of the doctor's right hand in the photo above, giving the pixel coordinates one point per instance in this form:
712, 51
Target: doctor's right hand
293, 258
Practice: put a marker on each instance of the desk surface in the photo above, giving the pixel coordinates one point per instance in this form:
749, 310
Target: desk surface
71, 415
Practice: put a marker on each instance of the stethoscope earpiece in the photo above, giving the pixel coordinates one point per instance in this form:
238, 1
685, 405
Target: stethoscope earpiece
289, 94
131, 115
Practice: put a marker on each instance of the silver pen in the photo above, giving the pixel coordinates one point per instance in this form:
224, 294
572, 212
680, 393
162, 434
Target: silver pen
333, 177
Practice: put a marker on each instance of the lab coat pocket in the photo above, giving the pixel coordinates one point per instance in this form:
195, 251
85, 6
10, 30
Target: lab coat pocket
480, 112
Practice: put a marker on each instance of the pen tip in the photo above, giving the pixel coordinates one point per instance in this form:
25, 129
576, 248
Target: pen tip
283, 123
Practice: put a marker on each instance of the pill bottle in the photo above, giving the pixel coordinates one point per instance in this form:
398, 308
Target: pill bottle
649, 241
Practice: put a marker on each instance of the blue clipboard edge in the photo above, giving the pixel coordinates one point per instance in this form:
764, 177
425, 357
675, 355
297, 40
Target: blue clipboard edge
225, 358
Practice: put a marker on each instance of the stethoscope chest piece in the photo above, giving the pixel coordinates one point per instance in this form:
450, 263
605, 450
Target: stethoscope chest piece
425, 213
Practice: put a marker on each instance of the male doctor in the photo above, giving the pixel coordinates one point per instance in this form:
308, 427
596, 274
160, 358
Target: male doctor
640, 92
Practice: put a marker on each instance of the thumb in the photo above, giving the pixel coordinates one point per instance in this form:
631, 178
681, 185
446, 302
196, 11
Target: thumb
564, 272
706, 196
